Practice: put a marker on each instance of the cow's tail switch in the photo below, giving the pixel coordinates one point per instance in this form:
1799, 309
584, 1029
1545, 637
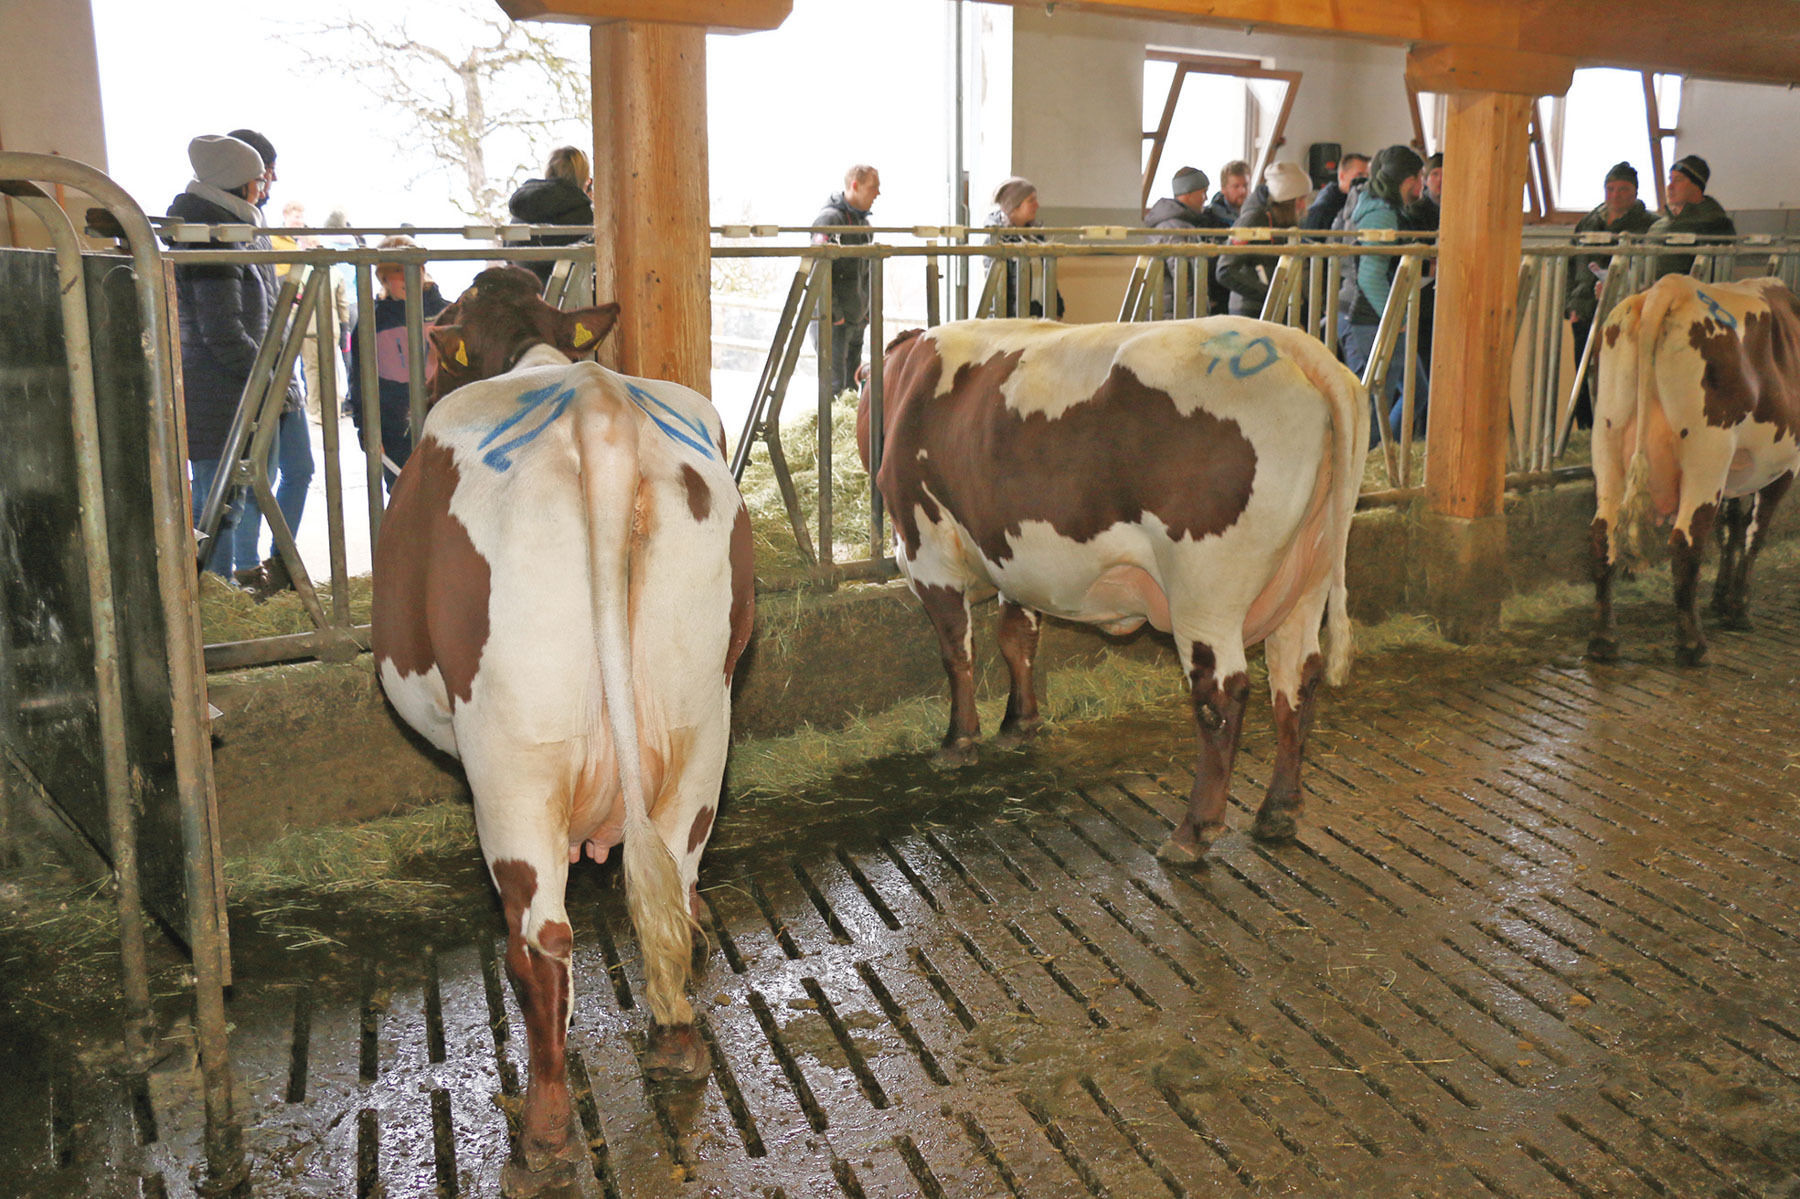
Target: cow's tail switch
607, 446
1636, 509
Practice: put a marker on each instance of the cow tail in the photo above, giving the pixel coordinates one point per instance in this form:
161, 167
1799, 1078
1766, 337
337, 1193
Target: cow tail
1636, 508
1350, 449
606, 438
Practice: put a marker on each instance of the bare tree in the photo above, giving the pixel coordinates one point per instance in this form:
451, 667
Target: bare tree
484, 90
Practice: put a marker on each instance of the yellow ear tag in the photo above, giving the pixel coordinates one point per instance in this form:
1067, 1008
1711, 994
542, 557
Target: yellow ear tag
582, 336
462, 354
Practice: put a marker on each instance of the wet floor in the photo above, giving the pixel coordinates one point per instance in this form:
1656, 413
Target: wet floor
1537, 937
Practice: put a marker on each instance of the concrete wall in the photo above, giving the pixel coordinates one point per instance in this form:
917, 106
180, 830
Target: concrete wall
1756, 175
49, 95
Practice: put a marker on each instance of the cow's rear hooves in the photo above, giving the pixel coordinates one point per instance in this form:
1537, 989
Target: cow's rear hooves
954, 757
558, 1176
1275, 828
1019, 735
1690, 655
1181, 853
1602, 649
676, 1054
1737, 622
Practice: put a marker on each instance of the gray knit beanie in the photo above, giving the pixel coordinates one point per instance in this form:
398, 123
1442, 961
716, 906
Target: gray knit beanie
1189, 179
1013, 192
224, 162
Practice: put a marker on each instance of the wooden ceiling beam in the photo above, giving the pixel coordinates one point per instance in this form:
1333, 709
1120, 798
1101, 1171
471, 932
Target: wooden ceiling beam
715, 16
1759, 42
1488, 69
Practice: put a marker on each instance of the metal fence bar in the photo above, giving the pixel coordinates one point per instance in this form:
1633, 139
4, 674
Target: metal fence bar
877, 380
369, 383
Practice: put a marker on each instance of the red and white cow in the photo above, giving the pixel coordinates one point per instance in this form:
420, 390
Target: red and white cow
1199, 475
562, 589
1699, 406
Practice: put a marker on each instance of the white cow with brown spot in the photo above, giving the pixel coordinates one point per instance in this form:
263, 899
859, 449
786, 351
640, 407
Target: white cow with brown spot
562, 591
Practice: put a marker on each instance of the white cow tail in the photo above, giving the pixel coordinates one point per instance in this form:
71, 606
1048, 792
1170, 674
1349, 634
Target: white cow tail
606, 439
1636, 508
1350, 449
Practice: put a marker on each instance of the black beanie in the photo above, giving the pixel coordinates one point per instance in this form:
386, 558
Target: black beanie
1397, 164
1695, 168
1623, 171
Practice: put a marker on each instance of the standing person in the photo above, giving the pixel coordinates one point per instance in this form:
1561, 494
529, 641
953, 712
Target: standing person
1352, 169
224, 309
290, 456
1278, 206
1690, 210
392, 367
1620, 212
1016, 207
564, 196
1425, 213
1393, 184
850, 298
1187, 209
1226, 206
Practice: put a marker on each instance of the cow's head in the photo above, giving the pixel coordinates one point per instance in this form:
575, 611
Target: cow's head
495, 321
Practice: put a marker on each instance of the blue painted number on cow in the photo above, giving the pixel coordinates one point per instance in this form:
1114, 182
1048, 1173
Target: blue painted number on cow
550, 400
1244, 358
1719, 314
685, 429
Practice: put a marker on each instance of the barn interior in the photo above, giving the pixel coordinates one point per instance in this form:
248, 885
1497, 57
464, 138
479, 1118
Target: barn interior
1519, 947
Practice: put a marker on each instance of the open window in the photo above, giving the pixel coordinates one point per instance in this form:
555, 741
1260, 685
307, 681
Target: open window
1212, 109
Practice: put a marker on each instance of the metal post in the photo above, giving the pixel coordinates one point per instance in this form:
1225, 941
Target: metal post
369, 383
827, 355
330, 413
877, 377
415, 348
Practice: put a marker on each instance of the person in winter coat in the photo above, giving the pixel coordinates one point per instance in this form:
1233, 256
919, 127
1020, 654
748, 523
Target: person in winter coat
1276, 205
564, 196
1690, 210
1426, 213
1393, 184
1622, 212
224, 310
1187, 209
1016, 207
1352, 169
850, 298
392, 371
290, 457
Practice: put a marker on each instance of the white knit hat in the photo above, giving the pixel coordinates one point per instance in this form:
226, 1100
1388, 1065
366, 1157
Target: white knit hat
224, 162
1286, 181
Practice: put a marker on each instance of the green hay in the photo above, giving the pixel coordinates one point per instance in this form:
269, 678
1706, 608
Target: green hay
777, 552
229, 613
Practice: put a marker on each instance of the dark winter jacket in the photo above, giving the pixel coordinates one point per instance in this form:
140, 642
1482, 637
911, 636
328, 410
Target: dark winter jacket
1704, 218
1223, 209
1585, 270
1247, 275
551, 202
1170, 213
849, 276
1024, 233
1325, 207
1423, 215
224, 310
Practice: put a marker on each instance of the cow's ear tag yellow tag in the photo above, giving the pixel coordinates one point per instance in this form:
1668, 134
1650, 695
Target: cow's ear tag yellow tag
582, 336
462, 354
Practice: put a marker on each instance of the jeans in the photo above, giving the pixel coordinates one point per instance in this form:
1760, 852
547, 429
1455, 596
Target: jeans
291, 470
1358, 347
846, 353
223, 561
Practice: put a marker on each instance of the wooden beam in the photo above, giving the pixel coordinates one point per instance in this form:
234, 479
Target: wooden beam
1757, 42
715, 16
1478, 267
650, 197
1487, 69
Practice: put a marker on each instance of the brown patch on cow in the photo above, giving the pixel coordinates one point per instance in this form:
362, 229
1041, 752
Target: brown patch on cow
1613, 332
1116, 456
700, 830
743, 589
699, 495
432, 584
1752, 372
540, 974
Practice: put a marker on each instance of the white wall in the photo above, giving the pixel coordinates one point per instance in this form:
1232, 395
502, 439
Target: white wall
1750, 137
49, 93
1078, 103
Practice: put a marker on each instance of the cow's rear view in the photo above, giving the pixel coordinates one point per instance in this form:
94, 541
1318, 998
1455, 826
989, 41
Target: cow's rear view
1197, 475
562, 588
1698, 424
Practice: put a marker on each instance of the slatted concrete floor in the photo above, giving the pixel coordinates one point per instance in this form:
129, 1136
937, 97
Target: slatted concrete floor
1537, 938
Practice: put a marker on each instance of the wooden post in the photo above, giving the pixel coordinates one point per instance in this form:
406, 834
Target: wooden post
651, 248
1479, 250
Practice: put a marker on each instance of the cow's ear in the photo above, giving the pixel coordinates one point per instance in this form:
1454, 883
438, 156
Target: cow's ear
452, 350
581, 331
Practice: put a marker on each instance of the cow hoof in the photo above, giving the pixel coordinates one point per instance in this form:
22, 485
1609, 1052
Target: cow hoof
955, 755
676, 1054
1690, 655
556, 1174
1019, 735
1737, 622
1177, 852
1602, 649
1280, 825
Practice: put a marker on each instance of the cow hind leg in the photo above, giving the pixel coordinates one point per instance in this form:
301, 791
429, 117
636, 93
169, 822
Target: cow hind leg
1686, 547
948, 608
1603, 645
1735, 612
1018, 645
1219, 687
1295, 668
1735, 516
